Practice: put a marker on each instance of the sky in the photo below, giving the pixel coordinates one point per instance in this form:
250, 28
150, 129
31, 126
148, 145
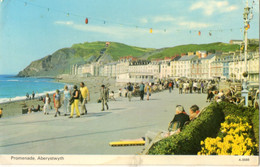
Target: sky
33, 29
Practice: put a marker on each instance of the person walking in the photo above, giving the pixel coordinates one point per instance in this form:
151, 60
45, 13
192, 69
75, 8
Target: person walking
199, 87
85, 98
148, 90
142, 91
180, 87
190, 86
170, 87
129, 91
57, 102
47, 102
67, 95
75, 104
195, 84
27, 96
1, 112
33, 95
104, 97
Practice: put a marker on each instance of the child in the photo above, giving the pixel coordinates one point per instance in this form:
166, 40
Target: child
120, 92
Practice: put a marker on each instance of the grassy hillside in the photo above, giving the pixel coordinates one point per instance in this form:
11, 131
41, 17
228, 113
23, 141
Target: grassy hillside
115, 50
177, 50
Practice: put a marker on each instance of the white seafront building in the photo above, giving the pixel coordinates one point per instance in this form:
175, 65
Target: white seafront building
139, 71
199, 66
237, 67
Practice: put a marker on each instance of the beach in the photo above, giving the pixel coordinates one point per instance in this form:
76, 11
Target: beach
14, 108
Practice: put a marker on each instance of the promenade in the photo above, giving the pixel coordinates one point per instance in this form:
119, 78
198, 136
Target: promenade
44, 134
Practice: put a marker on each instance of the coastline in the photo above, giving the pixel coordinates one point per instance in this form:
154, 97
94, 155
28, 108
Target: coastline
14, 107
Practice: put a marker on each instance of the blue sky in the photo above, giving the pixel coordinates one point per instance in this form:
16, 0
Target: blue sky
32, 29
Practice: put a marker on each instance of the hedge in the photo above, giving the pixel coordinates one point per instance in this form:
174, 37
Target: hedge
188, 141
255, 122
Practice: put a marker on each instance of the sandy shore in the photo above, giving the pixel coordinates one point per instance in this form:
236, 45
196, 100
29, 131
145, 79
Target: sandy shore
93, 83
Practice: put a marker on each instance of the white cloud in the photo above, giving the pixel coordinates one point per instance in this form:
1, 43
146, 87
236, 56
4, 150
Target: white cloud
144, 20
158, 19
64, 22
192, 25
213, 6
114, 31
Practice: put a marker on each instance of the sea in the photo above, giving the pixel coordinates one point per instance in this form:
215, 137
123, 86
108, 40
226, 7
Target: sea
13, 88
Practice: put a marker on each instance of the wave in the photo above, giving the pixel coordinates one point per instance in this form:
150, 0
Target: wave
20, 98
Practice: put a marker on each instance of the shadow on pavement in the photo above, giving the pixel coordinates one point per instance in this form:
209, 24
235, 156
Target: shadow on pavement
117, 109
72, 136
98, 114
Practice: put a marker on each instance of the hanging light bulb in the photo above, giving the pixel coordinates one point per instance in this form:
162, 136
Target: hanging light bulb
86, 21
151, 30
199, 33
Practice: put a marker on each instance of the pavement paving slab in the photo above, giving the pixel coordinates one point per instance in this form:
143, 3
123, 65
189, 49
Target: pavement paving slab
90, 134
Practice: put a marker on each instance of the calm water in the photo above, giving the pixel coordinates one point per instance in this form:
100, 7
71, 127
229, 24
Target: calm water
16, 88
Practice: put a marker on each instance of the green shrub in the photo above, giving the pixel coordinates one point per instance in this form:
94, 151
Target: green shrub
238, 110
241, 111
255, 122
188, 141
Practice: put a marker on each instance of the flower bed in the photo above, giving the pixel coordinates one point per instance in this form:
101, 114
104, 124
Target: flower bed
234, 139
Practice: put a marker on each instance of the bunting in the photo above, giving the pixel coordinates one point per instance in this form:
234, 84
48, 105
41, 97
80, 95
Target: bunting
69, 14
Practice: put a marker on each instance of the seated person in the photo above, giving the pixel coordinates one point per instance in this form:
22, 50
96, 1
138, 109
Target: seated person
150, 136
238, 101
180, 116
220, 97
32, 109
210, 96
194, 110
233, 100
111, 95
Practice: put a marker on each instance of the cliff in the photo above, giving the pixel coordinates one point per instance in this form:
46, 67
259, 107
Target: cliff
60, 62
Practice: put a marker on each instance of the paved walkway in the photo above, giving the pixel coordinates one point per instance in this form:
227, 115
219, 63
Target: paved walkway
44, 134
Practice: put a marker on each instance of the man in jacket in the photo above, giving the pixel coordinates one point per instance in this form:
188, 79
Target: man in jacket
142, 91
85, 97
104, 97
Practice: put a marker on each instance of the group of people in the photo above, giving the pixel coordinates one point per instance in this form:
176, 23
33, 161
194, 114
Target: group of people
144, 89
74, 100
194, 86
70, 101
28, 97
181, 117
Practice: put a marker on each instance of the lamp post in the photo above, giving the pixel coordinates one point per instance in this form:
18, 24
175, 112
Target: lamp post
244, 92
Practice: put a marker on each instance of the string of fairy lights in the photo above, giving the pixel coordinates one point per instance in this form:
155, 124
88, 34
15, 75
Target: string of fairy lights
91, 20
